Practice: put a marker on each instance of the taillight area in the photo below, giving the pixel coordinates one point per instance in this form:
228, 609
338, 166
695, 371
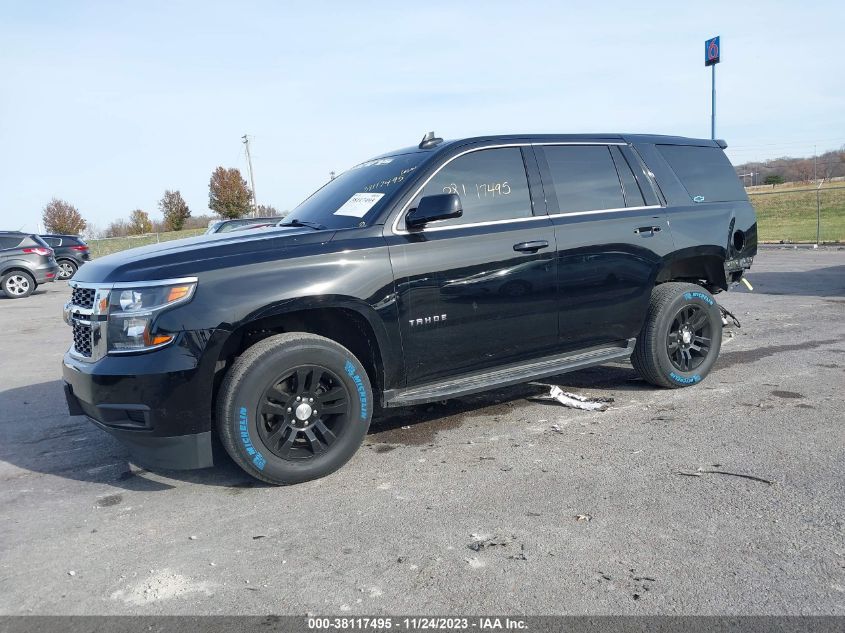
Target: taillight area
44, 252
84, 249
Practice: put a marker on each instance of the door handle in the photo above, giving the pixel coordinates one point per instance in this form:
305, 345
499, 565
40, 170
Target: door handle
647, 230
530, 247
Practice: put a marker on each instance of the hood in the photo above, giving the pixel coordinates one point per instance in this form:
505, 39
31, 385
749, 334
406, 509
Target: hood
193, 255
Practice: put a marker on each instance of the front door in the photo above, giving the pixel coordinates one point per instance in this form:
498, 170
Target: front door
479, 290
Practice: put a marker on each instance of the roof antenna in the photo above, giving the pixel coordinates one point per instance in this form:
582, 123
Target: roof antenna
429, 141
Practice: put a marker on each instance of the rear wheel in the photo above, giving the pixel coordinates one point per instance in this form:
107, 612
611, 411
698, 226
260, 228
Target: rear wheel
681, 336
67, 269
17, 284
294, 407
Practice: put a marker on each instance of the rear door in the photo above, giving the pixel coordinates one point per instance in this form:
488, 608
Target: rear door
479, 290
611, 233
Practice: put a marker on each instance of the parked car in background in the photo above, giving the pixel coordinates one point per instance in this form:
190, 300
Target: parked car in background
226, 226
25, 261
71, 252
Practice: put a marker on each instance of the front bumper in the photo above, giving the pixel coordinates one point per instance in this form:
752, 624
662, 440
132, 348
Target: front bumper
158, 404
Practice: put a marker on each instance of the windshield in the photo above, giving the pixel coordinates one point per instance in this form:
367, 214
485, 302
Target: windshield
358, 194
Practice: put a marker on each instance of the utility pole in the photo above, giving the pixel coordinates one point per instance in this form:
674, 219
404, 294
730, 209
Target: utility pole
251, 176
815, 158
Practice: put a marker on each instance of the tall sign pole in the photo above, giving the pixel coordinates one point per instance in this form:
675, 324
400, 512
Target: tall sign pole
712, 52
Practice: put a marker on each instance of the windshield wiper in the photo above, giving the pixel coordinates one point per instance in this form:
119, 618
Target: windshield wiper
311, 225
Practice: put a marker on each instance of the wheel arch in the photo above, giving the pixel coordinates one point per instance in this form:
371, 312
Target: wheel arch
19, 269
700, 265
350, 322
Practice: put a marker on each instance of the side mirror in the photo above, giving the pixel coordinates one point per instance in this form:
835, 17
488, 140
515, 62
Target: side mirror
441, 206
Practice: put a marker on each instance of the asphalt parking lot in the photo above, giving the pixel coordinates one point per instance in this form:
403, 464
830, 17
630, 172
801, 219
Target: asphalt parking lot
636, 510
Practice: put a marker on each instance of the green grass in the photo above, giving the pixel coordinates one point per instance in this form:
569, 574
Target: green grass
790, 215
100, 248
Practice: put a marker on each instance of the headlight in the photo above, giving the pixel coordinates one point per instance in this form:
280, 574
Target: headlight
131, 314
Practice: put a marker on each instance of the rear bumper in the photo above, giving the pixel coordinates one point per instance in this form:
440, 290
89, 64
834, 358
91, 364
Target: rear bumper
157, 404
46, 274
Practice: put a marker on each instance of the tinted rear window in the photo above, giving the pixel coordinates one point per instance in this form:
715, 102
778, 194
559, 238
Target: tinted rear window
9, 241
584, 178
705, 172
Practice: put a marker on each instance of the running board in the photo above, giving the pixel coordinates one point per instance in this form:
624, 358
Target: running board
505, 376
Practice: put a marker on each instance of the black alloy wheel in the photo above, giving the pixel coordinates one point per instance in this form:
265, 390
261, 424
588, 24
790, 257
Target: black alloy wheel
302, 412
688, 340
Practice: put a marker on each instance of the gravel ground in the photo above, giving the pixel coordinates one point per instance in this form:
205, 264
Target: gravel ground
491, 503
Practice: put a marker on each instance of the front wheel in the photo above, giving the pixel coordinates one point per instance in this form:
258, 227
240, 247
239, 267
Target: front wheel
294, 407
681, 336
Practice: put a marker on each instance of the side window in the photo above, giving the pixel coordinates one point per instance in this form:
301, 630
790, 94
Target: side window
584, 177
52, 241
633, 195
9, 242
491, 183
705, 172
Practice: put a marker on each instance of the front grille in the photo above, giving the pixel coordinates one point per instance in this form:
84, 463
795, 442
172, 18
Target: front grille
83, 297
82, 339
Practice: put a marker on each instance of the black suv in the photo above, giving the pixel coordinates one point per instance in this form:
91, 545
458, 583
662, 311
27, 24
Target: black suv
25, 261
71, 252
424, 274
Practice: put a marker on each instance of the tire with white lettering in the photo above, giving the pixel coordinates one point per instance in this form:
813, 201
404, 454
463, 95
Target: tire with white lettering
294, 407
681, 336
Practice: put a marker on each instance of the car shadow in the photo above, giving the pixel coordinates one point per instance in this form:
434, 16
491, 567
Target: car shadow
821, 282
38, 435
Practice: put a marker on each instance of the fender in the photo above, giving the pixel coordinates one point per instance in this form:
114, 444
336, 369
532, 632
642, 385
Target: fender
16, 264
695, 262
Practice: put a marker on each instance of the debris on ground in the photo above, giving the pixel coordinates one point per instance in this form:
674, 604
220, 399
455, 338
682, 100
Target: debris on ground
520, 555
700, 471
71, 573
485, 541
572, 400
726, 314
583, 517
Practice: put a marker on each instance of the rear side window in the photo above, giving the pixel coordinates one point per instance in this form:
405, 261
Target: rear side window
584, 178
9, 241
52, 241
633, 195
705, 172
491, 183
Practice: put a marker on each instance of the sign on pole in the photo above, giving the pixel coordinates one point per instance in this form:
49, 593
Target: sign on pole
712, 56
712, 49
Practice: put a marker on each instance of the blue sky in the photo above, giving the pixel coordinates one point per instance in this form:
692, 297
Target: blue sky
107, 104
